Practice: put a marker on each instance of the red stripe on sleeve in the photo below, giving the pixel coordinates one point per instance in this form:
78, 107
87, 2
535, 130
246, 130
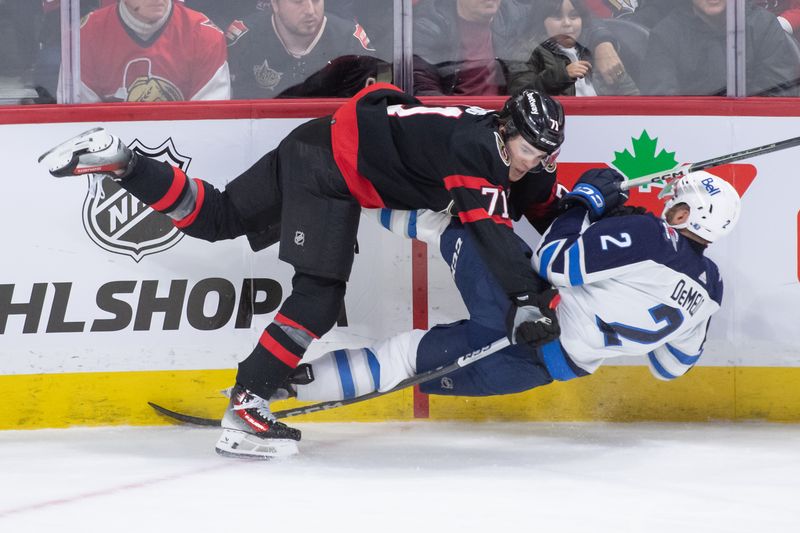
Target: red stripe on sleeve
189, 219
468, 182
281, 353
282, 319
178, 182
474, 215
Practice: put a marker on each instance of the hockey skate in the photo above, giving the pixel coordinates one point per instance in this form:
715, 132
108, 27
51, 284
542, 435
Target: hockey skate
92, 152
250, 430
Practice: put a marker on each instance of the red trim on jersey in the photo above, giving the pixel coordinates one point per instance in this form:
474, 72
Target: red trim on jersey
174, 191
283, 319
190, 218
468, 182
344, 143
474, 215
542, 208
278, 351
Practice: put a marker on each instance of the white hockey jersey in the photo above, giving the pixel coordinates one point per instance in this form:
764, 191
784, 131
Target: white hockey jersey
629, 285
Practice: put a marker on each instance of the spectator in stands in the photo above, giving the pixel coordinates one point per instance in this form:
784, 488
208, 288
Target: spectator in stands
560, 63
787, 11
611, 8
225, 12
647, 13
687, 52
275, 53
464, 47
149, 51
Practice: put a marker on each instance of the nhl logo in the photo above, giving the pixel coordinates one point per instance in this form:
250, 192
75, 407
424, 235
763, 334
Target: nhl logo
119, 223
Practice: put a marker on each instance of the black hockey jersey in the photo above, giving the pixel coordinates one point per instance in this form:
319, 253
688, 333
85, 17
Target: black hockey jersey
262, 68
394, 152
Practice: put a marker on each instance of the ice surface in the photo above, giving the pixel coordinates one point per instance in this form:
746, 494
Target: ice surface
416, 476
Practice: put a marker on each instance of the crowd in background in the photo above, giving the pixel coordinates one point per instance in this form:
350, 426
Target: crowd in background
172, 50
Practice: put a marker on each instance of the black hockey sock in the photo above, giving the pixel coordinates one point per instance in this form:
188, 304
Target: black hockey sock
152, 181
275, 357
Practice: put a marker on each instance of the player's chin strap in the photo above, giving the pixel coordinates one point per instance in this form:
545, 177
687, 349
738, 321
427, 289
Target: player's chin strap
669, 177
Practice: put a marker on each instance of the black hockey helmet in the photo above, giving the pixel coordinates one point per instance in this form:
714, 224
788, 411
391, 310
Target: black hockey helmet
537, 117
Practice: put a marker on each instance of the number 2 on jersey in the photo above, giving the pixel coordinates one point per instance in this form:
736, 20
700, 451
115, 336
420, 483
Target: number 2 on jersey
672, 317
624, 241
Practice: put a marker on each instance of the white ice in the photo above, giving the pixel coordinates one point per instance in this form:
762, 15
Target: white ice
415, 476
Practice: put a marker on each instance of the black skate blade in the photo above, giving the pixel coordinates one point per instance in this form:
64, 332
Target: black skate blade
186, 419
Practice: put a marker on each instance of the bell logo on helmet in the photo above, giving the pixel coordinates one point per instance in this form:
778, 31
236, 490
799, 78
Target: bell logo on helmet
708, 183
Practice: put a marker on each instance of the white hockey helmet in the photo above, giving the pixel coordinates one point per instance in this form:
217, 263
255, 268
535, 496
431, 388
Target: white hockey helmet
714, 205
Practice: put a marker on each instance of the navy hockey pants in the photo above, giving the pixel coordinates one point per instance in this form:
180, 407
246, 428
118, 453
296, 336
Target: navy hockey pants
515, 368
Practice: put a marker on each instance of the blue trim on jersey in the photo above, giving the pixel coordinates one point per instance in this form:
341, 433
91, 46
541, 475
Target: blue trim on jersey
660, 369
546, 257
386, 218
684, 358
374, 367
412, 224
556, 362
575, 275
345, 375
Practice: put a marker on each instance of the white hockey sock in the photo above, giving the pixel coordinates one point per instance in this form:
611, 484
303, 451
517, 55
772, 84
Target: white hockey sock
344, 374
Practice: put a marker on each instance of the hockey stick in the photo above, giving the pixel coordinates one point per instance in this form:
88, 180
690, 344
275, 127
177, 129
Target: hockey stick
430, 375
668, 177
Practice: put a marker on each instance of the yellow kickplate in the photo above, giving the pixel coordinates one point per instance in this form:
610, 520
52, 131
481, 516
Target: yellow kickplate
621, 393
628, 394
120, 398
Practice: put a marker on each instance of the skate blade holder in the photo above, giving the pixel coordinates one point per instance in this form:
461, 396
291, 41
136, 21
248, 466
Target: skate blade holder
243, 445
93, 140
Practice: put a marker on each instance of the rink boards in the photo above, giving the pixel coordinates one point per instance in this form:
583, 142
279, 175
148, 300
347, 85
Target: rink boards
104, 307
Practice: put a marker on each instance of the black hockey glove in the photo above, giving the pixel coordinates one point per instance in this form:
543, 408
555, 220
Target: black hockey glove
597, 191
532, 318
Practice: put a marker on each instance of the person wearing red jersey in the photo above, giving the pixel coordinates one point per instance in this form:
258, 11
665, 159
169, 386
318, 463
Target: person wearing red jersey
382, 148
151, 51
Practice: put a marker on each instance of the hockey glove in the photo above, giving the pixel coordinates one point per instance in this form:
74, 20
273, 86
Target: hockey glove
598, 191
532, 319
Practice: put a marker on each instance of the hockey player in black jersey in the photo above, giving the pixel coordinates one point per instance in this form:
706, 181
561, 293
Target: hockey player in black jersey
631, 285
381, 149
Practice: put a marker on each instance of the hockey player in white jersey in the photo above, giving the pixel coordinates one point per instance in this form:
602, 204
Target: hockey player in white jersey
630, 285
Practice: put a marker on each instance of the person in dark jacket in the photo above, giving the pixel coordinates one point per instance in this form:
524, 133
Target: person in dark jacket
464, 47
687, 53
272, 53
561, 64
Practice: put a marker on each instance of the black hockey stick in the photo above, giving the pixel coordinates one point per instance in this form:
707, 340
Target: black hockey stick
668, 177
430, 375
